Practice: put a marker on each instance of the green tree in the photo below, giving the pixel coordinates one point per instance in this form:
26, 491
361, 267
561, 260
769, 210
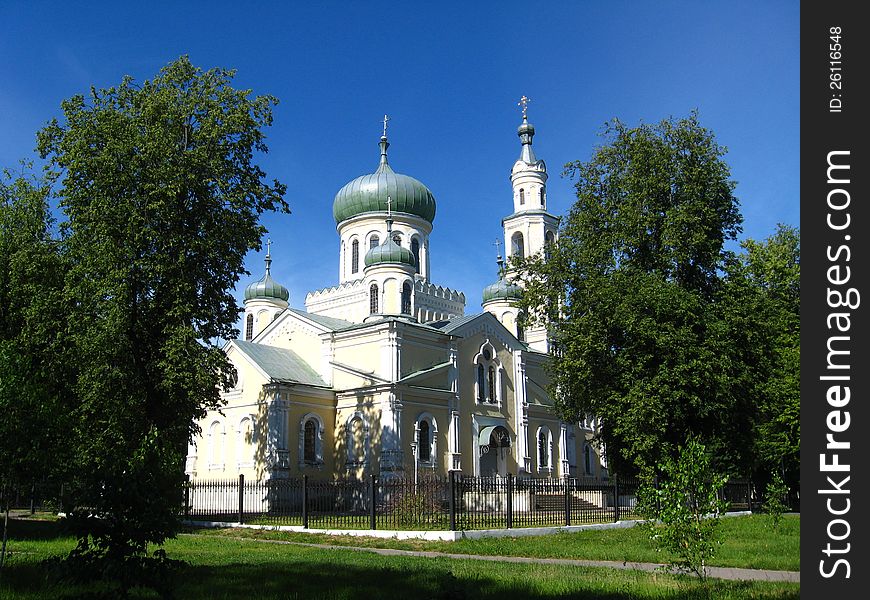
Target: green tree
631, 293
772, 268
683, 509
162, 197
32, 381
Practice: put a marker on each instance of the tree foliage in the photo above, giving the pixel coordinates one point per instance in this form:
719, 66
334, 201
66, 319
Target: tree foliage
631, 293
683, 508
32, 386
162, 197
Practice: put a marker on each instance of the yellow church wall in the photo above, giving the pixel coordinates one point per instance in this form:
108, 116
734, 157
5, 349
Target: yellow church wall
366, 406
301, 406
364, 354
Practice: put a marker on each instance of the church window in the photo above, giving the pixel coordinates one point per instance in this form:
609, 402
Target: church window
406, 299
309, 452
521, 333
249, 327
522, 196
517, 246
587, 459
354, 257
374, 241
357, 439
216, 445
488, 375
415, 250
310, 441
542, 196
549, 240
373, 299
423, 442
397, 237
481, 383
244, 454
544, 445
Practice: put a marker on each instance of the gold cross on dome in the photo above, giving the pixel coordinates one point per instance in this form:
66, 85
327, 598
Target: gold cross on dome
268, 246
386, 118
524, 102
389, 206
497, 245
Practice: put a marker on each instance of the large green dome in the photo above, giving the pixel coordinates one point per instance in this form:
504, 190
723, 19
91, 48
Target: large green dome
369, 193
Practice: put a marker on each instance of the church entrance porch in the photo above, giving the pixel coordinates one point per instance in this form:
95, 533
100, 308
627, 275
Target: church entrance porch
494, 444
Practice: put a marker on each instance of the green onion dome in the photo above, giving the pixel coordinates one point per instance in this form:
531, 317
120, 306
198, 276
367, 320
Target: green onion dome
502, 289
389, 253
267, 288
369, 193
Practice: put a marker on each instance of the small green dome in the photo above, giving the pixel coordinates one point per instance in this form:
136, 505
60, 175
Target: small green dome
389, 253
369, 193
502, 290
267, 288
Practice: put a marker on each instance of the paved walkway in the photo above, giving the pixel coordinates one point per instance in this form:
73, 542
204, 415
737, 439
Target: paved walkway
717, 572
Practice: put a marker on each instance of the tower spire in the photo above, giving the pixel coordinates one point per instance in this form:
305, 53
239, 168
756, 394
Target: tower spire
384, 144
526, 131
268, 257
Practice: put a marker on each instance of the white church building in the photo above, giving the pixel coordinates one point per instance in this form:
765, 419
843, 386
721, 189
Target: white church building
385, 373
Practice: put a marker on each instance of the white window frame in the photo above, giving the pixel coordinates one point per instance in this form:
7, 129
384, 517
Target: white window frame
318, 442
548, 448
433, 440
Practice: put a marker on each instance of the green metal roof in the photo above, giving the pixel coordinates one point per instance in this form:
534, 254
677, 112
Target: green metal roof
369, 193
328, 322
267, 288
281, 364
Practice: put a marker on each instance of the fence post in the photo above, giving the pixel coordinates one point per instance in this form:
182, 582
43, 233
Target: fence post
241, 497
60, 500
567, 502
186, 496
452, 487
749, 495
305, 501
615, 498
33, 497
373, 521
510, 501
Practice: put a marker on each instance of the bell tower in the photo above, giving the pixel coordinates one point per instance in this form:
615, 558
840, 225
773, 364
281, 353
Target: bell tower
530, 227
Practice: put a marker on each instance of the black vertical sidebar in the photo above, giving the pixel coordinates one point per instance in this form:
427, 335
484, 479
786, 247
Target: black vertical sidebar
835, 300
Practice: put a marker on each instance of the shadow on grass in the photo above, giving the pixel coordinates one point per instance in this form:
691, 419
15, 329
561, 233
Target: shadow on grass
427, 579
36, 530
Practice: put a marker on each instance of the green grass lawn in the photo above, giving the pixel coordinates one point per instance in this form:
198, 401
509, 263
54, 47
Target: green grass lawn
747, 542
222, 567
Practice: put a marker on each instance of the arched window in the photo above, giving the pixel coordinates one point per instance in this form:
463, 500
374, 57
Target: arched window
357, 439
406, 299
521, 332
354, 257
424, 448
309, 446
415, 250
245, 443
373, 299
544, 462
517, 245
397, 237
587, 459
542, 196
522, 196
549, 240
249, 327
374, 241
491, 384
481, 383
216, 445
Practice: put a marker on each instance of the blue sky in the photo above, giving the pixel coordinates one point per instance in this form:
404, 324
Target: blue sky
449, 74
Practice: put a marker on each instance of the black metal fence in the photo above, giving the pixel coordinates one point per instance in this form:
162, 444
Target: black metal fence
456, 502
